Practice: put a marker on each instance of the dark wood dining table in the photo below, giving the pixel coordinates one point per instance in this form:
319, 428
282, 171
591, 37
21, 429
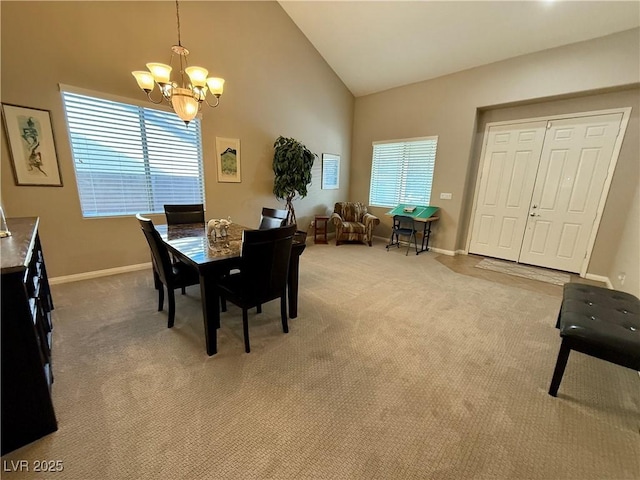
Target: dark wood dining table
191, 244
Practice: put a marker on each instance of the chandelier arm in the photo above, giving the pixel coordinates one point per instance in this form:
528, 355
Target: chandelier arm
183, 66
215, 104
152, 100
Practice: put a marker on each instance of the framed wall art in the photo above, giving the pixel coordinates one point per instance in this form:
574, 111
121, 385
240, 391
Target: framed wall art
228, 158
33, 151
330, 171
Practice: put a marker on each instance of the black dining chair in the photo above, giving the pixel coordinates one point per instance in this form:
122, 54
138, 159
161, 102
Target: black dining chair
262, 276
272, 218
167, 273
177, 214
403, 226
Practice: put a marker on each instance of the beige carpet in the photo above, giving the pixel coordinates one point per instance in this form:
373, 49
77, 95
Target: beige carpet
396, 368
525, 271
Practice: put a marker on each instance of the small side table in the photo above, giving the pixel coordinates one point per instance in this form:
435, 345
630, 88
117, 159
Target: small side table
320, 229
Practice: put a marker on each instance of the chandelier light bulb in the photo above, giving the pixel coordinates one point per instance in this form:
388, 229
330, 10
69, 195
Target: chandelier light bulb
197, 75
184, 104
216, 85
161, 72
144, 79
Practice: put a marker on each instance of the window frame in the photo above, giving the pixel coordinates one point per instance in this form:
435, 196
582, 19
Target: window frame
377, 202
153, 109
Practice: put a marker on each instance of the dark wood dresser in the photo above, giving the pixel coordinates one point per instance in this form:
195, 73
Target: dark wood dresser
27, 408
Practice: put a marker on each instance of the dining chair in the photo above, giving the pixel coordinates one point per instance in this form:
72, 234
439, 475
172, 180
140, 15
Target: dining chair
262, 275
177, 214
169, 273
272, 218
403, 226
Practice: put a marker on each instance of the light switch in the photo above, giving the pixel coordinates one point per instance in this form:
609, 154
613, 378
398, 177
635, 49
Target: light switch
445, 196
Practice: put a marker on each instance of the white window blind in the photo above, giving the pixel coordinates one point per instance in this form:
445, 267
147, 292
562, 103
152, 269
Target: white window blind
402, 172
130, 159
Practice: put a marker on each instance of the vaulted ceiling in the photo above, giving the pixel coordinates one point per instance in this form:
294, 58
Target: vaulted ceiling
377, 45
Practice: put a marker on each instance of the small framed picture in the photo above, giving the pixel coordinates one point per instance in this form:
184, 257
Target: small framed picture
228, 155
330, 171
33, 151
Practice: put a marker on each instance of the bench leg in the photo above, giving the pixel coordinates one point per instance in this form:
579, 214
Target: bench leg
561, 363
558, 319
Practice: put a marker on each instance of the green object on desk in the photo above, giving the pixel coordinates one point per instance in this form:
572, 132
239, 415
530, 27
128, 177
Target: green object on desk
421, 211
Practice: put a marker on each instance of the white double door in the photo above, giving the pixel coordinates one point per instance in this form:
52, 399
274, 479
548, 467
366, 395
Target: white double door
540, 189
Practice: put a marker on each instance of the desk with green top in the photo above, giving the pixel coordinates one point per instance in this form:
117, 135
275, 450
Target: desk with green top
422, 213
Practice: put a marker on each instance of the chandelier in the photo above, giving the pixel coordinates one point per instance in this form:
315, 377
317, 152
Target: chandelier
184, 96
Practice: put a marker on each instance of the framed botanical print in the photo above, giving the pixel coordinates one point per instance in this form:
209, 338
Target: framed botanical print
33, 151
228, 159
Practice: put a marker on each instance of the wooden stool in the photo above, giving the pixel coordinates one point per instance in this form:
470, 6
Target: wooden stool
320, 229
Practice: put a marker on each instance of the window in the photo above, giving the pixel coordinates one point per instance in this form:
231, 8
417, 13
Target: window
402, 171
131, 159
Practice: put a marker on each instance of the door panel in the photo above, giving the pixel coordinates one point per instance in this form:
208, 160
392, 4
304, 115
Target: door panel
551, 181
507, 179
573, 168
507, 232
540, 236
578, 201
569, 240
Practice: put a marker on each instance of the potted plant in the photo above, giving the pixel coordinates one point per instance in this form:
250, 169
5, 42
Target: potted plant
292, 163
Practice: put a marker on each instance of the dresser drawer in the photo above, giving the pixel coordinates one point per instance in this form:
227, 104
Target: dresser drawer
26, 363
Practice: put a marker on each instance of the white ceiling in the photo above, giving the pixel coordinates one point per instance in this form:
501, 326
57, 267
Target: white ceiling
377, 45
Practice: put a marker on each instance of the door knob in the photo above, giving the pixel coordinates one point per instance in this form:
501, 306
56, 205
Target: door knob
533, 214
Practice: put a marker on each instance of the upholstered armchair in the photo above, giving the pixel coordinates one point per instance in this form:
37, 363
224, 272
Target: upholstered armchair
353, 222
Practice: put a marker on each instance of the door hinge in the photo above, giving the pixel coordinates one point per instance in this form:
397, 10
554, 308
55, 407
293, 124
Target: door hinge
548, 125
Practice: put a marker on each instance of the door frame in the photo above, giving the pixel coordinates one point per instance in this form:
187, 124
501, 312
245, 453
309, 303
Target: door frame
626, 113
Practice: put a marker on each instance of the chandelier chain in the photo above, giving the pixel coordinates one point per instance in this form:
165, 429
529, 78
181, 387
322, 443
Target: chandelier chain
178, 21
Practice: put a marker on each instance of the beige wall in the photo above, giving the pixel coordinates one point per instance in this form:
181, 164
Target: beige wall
277, 84
624, 271
447, 107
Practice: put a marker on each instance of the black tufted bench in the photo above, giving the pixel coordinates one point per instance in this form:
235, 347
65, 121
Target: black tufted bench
599, 322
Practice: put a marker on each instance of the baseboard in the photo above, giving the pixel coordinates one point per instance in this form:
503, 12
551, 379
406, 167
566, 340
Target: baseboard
451, 253
600, 278
98, 273
384, 239
442, 251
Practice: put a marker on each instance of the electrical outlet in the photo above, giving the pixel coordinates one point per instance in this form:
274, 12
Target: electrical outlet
622, 276
445, 196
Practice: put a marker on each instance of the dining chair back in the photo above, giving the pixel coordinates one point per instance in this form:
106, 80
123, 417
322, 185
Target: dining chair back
177, 214
270, 222
263, 272
403, 226
272, 218
170, 274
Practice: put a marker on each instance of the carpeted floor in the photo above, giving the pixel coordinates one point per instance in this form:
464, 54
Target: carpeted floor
396, 368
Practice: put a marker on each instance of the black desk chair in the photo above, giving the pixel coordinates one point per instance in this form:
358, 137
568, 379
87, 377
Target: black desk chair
171, 274
177, 214
264, 268
272, 218
403, 226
